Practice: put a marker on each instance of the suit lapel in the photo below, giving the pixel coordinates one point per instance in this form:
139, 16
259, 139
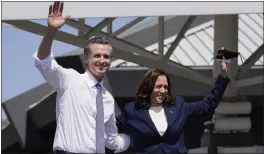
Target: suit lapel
144, 114
171, 115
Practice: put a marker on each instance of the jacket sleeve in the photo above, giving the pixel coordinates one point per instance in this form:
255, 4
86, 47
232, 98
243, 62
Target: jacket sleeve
121, 123
211, 101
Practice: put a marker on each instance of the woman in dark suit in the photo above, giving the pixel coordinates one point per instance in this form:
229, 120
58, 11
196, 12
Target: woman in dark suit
155, 122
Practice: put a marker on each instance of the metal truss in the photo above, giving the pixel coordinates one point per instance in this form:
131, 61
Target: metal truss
122, 49
136, 54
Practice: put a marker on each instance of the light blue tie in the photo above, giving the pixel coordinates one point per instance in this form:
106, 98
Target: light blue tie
100, 144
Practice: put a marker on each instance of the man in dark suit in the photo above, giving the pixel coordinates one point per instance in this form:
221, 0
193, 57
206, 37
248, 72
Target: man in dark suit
155, 122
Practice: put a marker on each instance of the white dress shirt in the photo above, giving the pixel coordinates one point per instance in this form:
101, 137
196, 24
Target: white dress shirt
159, 119
76, 109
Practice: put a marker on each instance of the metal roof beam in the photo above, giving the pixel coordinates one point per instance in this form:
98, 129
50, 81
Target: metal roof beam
243, 69
179, 37
169, 66
127, 26
129, 49
161, 36
76, 24
81, 28
98, 27
35, 28
250, 81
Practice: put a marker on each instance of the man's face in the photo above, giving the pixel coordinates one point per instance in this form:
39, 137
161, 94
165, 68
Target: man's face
99, 60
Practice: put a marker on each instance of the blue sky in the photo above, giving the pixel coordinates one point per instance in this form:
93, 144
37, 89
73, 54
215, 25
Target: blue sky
18, 46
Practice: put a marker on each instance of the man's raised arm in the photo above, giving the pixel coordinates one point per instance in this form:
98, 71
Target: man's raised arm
55, 22
53, 73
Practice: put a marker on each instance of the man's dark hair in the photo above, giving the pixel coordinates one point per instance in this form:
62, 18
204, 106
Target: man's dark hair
146, 86
96, 40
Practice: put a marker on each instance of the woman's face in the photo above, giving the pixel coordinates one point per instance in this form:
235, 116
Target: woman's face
160, 90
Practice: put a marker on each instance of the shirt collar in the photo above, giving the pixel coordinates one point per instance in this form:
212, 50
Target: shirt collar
91, 80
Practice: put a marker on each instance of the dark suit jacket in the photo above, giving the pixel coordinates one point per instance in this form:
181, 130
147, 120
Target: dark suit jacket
137, 122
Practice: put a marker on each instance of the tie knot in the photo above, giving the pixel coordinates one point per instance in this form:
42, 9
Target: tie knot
98, 86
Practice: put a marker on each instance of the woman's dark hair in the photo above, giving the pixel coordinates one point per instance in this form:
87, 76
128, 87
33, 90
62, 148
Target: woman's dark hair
146, 86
